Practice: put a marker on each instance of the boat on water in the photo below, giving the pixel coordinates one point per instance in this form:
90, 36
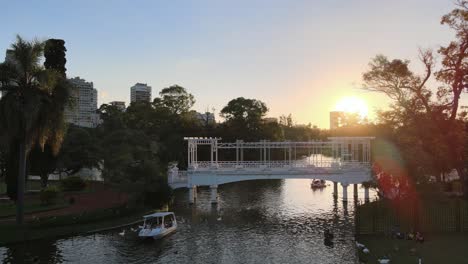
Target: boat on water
158, 225
318, 184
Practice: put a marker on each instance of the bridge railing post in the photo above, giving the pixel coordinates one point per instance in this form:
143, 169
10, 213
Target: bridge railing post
345, 191
214, 194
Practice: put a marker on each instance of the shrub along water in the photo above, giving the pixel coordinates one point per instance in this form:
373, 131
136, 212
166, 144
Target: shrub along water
49, 195
72, 183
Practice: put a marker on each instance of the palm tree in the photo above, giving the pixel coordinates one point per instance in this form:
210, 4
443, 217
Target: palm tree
32, 106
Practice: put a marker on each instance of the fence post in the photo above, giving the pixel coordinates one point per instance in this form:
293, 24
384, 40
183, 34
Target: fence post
458, 216
373, 218
416, 215
356, 219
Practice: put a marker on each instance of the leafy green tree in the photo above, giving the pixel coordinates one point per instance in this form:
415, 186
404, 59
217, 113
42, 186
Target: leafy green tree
176, 99
80, 149
242, 110
286, 121
112, 117
31, 111
42, 162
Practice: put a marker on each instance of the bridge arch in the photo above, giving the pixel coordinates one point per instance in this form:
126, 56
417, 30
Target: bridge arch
346, 160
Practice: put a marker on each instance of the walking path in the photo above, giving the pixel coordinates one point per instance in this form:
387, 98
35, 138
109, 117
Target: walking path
101, 197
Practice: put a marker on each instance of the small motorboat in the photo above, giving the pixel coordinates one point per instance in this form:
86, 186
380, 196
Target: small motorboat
318, 184
158, 225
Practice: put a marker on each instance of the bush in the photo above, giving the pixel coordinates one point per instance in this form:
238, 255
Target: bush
49, 195
73, 183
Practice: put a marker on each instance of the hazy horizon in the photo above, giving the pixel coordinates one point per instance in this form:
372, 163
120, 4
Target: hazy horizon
298, 57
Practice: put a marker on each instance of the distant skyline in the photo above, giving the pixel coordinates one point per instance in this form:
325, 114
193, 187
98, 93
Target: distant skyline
299, 57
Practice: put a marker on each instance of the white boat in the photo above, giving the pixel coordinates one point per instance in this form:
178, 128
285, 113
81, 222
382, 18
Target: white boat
318, 184
158, 225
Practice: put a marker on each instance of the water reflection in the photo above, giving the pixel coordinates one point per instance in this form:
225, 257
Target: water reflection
45, 252
271, 221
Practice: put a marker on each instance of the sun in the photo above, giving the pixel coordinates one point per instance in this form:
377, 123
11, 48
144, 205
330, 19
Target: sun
352, 104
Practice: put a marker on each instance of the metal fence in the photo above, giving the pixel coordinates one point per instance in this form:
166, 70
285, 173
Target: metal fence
301, 164
383, 217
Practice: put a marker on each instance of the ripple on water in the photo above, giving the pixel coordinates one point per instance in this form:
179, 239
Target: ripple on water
254, 222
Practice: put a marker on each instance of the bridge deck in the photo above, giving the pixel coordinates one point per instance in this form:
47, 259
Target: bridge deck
344, 159
206, 173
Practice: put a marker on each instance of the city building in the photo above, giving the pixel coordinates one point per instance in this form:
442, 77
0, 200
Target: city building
268, 120
8, 59
336, 119
82, 111
206, 118
119, 104
140, 92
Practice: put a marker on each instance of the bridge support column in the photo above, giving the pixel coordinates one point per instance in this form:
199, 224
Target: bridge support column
335, 189
355, 191
366, 194
192, 194
345, 191
214, 194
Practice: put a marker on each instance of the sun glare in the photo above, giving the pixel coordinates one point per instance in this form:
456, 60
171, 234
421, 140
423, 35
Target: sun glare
352, 104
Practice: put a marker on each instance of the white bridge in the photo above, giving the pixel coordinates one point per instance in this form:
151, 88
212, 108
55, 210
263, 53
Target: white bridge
345, 160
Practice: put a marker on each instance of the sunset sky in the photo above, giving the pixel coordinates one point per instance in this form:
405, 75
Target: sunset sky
299, 57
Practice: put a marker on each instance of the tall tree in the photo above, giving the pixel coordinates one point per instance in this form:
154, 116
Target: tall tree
31, 111
244, 110
454, 71
54, 53
176, 99
43, 160
414, 100
80, 149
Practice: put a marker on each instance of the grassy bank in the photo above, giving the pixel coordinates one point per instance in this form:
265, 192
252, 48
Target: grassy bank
429, 216
440, 248
9, 209
68, 225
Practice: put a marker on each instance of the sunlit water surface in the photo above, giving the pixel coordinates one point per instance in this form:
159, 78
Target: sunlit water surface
276, 221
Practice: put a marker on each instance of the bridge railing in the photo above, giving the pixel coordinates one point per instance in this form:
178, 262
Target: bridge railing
177, 176
259, 165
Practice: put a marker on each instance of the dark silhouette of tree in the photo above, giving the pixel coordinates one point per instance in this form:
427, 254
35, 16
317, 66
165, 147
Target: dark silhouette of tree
248, 111
176, 99
421, 117
54, 53
80, 149
43, 160
31, 111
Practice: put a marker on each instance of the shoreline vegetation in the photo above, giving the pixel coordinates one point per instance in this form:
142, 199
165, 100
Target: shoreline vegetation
438, 248
422, 135
97, 207
13, 234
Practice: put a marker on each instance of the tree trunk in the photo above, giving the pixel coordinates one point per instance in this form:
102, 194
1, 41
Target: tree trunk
464, 181
44, 179
21, 183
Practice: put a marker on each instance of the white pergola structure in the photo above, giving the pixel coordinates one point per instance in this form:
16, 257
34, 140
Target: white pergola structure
330, 159
337, 150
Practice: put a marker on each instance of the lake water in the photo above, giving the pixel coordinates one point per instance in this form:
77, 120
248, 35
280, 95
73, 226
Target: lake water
275, 221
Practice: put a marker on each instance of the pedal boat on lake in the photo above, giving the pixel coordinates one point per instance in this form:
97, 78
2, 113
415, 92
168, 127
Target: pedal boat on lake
158, 225
318, 184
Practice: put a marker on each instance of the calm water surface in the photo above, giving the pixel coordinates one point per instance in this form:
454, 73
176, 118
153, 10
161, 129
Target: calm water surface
276, 221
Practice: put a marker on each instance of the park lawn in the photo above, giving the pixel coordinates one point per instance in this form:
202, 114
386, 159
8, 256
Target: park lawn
18, 234
70, 225
438, 248
31, 185
31, 206
2, 188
